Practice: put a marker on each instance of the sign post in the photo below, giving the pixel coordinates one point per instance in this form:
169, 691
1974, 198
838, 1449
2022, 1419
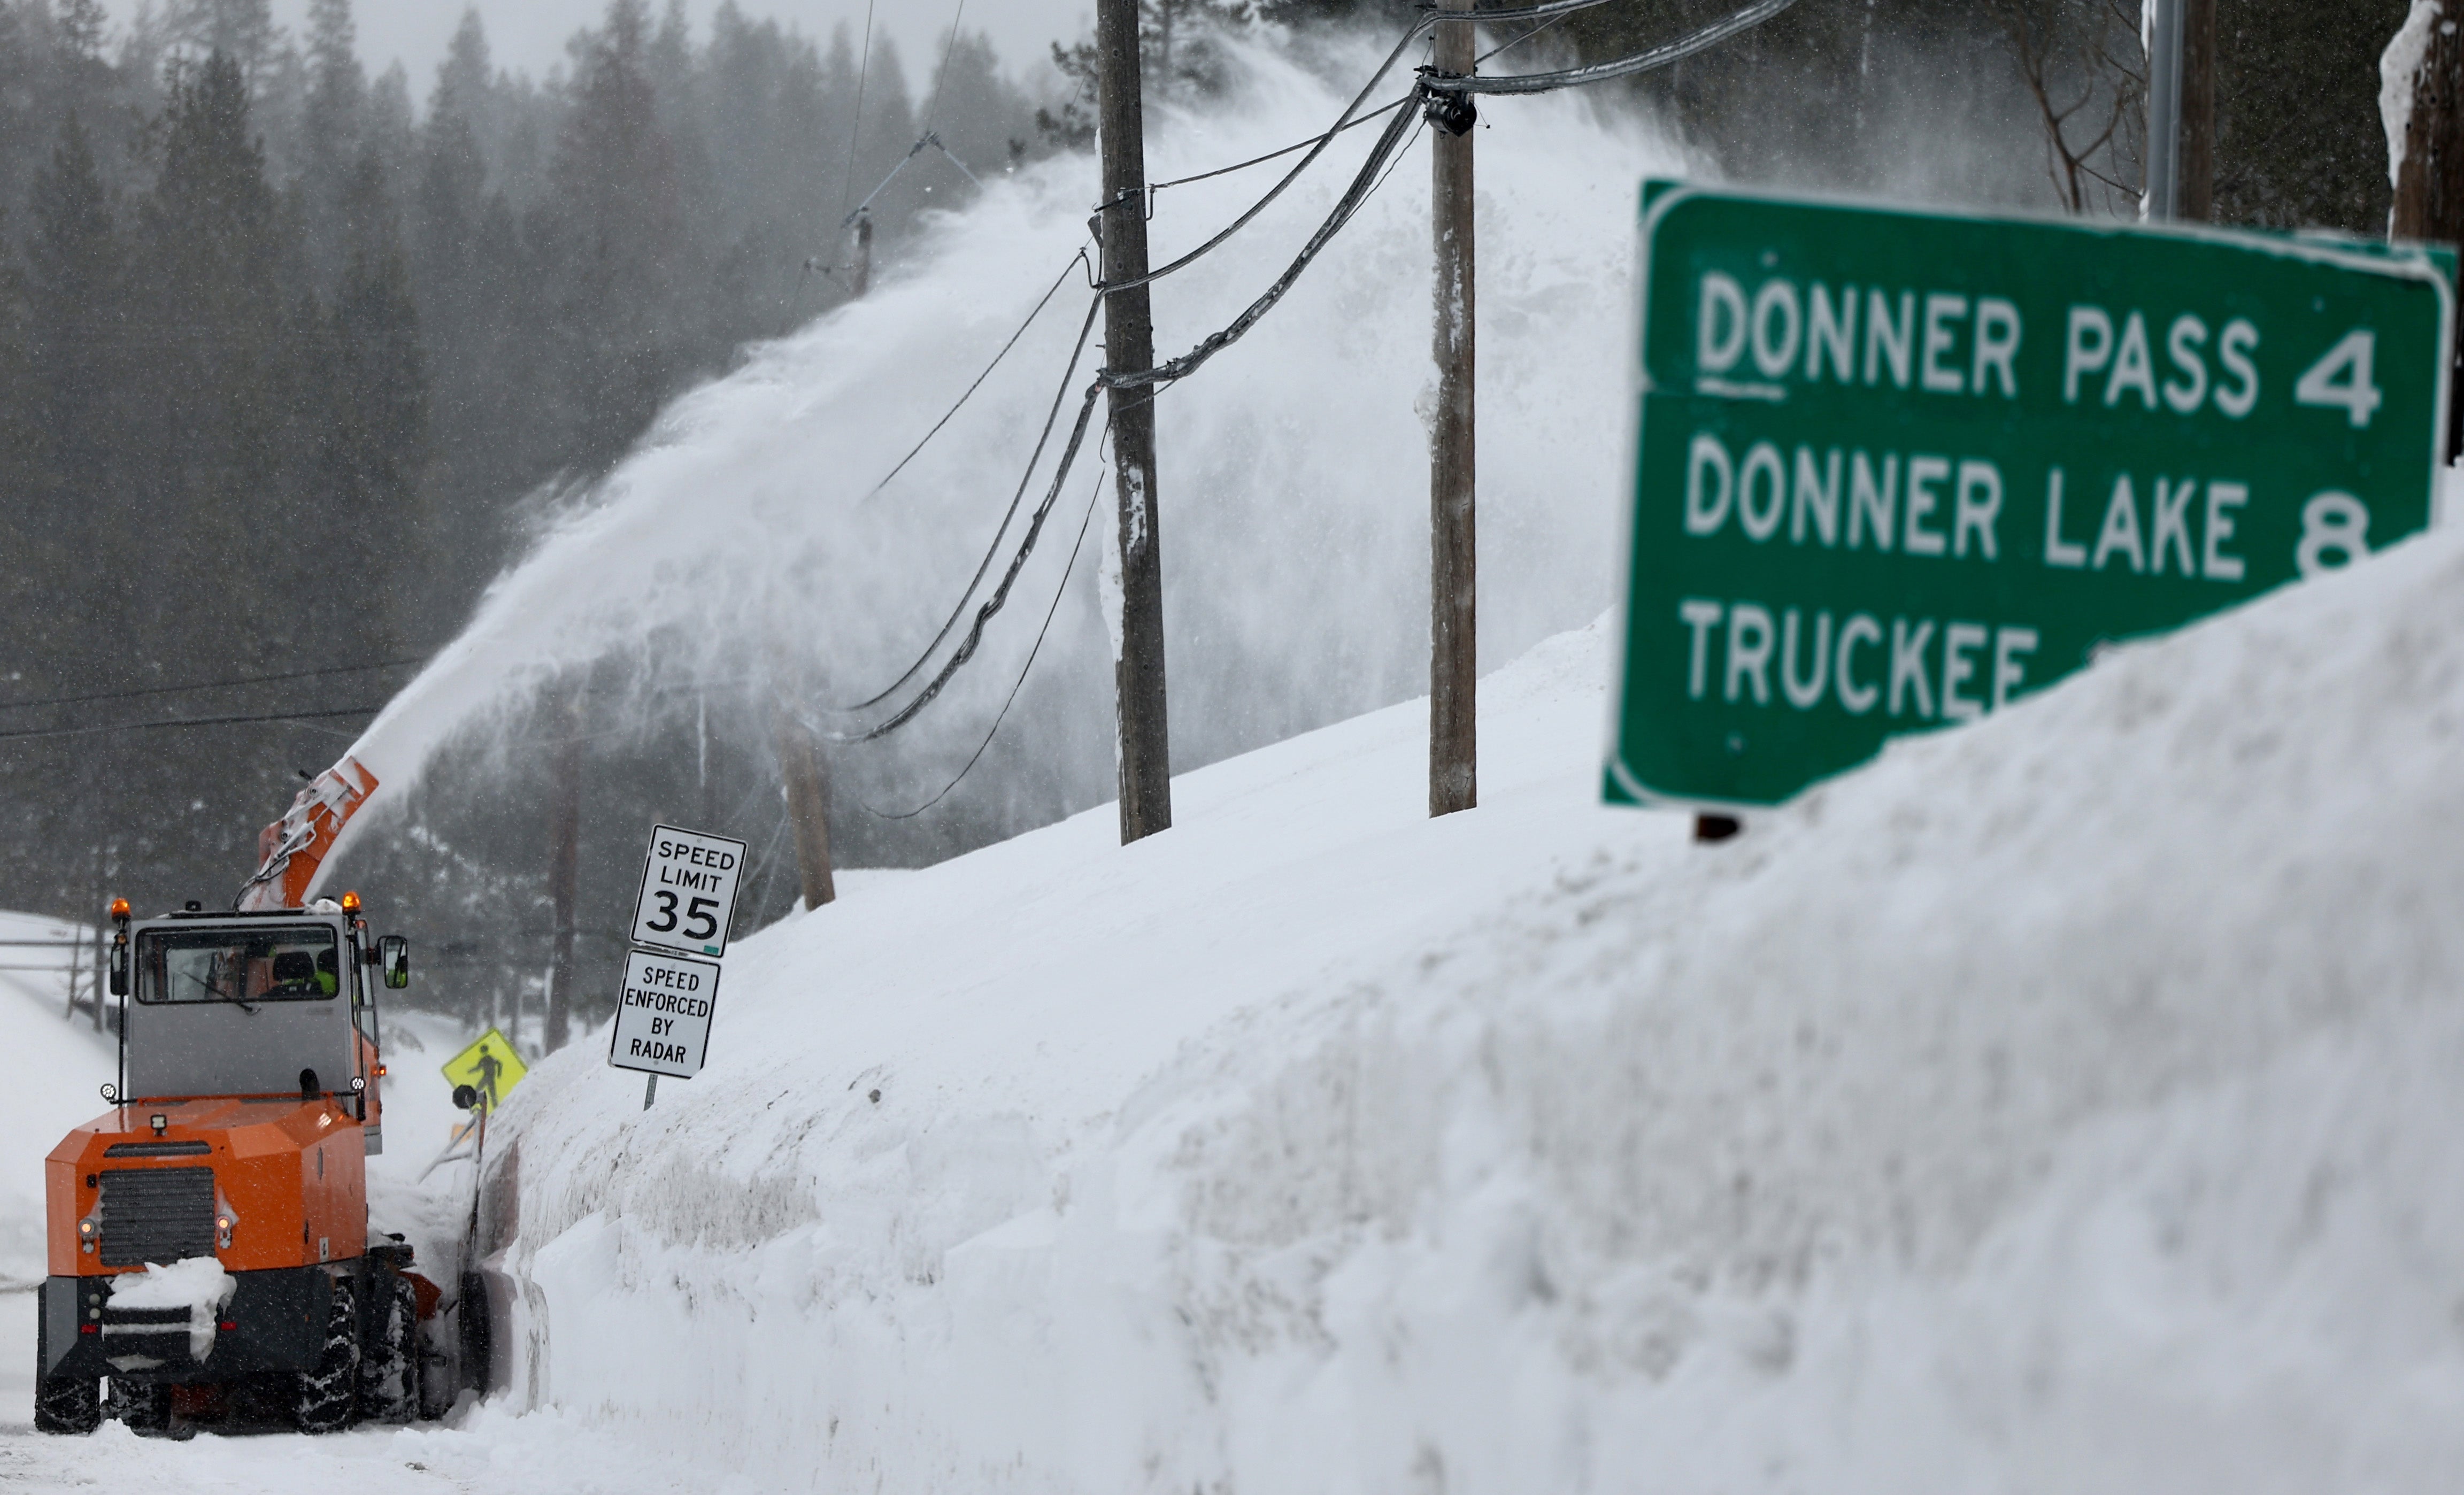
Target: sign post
1897, 468
684, 910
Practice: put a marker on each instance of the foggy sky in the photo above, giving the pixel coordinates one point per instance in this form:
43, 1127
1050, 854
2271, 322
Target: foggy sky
529, 35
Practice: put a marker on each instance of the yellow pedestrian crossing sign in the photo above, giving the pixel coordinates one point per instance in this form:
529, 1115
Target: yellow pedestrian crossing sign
491, 1065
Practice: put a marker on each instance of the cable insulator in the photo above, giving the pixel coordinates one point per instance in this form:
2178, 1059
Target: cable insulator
1451, 112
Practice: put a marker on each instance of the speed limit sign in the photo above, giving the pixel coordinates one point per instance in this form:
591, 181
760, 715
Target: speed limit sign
689, 885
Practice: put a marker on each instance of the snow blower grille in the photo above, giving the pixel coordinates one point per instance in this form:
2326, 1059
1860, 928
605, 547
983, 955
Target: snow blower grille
157, 1214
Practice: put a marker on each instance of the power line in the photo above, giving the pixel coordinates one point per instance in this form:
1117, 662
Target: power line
1154, 187
1660, 57
1075, 261
209, 685
1363, 183
296, 718
999, 598
855, 124
1051, 417
1058, 593
1378, 113
1509, 46
1371, 176
941, 79
1317, 148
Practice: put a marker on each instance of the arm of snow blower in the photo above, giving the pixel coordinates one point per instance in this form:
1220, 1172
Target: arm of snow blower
292, 848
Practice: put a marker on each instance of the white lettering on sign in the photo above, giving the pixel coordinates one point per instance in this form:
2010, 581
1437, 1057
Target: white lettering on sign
663, 1015
1954, 503
2092, 346
2174, 506
1926, 667
1941, 342
689, 885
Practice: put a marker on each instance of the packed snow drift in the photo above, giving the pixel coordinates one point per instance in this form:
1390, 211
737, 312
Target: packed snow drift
2061, 1102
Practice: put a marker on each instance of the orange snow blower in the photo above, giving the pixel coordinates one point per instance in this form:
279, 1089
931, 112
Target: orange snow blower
209, 1239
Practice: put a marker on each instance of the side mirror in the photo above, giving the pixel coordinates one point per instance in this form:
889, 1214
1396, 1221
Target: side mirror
464, 1097
119, 965
394, 954
110, 1092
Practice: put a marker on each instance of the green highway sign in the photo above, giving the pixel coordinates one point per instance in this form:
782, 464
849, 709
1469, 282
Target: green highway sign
1896, 468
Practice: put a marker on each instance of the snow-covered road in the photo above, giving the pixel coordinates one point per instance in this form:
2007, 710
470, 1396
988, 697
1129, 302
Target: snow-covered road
480, 1453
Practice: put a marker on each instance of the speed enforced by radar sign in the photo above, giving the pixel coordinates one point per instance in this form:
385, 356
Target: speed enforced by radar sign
689, 884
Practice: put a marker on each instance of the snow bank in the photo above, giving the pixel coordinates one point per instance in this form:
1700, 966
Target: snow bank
2061, 1102
197, 1283
56, 1071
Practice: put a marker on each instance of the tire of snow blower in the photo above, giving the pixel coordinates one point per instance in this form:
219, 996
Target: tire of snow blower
390, 1364
138, 1406
328, 1400
68, 1404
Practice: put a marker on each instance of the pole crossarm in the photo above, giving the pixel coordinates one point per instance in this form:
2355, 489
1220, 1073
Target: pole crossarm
929, 138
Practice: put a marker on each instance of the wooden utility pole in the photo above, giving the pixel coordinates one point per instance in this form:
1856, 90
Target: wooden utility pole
2196, 158
2181, 110
564, 862
2429, 180
1128, 345
808, 802
1454, 658
860, 275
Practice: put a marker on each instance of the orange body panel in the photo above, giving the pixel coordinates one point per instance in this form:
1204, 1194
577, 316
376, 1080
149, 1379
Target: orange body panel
291, 1174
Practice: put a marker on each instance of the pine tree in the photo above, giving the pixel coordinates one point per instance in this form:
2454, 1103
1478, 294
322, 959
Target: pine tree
219, 379
333, 122
616, 228
374, 437
78, 330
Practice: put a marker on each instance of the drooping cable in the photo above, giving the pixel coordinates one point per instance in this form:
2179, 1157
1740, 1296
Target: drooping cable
999, 598
1058, 593
1509, 46
1075, 261
1317, 148
855, 126
1363, 183
1379, 112
1051, 417
1660, 57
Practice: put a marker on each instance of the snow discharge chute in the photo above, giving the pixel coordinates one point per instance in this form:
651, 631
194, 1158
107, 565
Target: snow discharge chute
291, 850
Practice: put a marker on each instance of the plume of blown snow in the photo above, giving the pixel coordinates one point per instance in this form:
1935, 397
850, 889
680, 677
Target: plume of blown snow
750, 526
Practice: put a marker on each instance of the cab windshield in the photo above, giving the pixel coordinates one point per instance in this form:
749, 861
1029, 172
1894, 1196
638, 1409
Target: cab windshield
282, 963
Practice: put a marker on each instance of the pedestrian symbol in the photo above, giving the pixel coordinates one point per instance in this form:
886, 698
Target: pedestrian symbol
491, 1065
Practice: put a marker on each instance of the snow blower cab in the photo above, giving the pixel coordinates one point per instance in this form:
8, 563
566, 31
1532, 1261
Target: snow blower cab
209, 1234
